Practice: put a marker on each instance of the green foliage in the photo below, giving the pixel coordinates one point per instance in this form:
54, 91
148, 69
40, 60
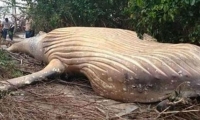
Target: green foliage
51, 14
4, 59
7, 66
167, 20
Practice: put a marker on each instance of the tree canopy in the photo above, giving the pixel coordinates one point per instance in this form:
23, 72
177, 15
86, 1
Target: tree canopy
167, 20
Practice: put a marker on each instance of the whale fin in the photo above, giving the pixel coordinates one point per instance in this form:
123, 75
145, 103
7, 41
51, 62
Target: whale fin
55, 67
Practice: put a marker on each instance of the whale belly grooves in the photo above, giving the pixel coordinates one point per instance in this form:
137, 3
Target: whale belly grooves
121, 66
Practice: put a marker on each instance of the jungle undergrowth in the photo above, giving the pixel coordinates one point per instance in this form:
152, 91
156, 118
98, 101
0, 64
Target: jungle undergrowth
7, 66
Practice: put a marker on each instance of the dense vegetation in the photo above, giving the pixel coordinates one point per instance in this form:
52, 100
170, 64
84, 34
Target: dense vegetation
167, 20
7, 66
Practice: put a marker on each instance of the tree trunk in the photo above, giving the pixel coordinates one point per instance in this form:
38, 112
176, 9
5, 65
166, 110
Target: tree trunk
14, 13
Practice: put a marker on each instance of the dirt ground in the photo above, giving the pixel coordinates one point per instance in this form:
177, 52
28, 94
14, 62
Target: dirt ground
72, 98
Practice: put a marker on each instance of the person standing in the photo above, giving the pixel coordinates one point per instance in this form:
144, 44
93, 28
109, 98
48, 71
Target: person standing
6, 26
11, 32
1, 30
29, 32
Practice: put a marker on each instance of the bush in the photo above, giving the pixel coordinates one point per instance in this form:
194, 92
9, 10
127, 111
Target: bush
7, 66
168, 20
52, 14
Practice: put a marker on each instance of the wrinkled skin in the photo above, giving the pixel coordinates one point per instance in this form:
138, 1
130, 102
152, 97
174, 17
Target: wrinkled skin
117, 63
